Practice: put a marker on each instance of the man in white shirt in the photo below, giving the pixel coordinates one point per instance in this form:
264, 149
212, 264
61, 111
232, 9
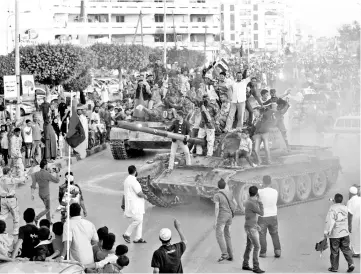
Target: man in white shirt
133, 201
82, 236
268, 197
28, 140
354, 207
238, 102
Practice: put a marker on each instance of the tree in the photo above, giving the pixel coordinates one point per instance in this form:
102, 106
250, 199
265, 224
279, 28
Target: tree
55, 64
350, 32
80, 83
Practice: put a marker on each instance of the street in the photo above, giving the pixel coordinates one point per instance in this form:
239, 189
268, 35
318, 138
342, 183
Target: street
300, 227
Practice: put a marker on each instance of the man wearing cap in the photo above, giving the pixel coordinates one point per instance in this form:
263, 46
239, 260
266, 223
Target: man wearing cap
354, 206
336, 229
168, 258
181, 127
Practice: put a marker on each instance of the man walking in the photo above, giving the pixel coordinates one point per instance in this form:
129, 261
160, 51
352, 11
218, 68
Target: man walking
224, 210
354, 206
42, 178
181, 127
269, 196
168, 258
9, 201
36, 134
253, 206
336, 229
133, 201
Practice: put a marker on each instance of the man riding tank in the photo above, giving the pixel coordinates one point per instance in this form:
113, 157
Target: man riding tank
222, 115
207, 125
280, 109
181, 127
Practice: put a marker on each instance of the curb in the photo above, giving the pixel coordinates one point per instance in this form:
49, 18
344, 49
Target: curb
62, 163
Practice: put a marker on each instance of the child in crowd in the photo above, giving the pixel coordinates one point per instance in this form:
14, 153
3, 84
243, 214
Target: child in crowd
46, 223
116, 267
6, 243
102, 233
245, 148
57, 242
44, 249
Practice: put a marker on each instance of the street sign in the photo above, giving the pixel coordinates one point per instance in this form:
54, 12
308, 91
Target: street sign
10, 88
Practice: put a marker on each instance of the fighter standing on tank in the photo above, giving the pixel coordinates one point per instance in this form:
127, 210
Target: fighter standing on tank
282, 107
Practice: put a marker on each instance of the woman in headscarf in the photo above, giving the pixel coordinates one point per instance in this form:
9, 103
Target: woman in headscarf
142, 96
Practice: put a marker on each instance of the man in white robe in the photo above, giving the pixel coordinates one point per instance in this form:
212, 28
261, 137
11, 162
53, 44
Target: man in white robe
353, 206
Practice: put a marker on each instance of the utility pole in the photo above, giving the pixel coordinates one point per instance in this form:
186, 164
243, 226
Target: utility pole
205, 41
174, 33
165, 33
220, 30
17, 59
141, 27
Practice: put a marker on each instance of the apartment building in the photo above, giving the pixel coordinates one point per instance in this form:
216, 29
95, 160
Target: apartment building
191, 24
257, 24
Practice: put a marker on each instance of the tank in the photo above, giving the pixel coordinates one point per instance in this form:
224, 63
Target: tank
41, 267
128, 138
300, 174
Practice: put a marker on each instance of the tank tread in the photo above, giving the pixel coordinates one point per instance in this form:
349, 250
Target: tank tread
118, 150
258, 180
158, 201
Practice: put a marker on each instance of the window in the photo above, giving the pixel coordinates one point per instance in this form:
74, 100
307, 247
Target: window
232, 22
255, 7
222, 7
201, 19
159, 37
255, 26
356, 123
158, 18
255, 17
255, 36
119, 18
201, 1
269, 32
231, 7
233, 37
256, 44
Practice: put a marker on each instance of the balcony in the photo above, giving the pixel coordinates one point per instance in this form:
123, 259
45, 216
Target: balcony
178, 7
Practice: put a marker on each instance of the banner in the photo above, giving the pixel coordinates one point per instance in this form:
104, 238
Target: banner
28, 86
10, 88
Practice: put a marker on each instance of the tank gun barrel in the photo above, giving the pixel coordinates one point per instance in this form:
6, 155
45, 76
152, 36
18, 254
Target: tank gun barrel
154, 131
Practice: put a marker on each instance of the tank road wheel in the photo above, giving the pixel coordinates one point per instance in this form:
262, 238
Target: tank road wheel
241, 195
319, 184
287, 190
303, 187
118, 149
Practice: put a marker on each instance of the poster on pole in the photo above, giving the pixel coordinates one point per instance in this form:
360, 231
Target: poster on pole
28, 87
10, 88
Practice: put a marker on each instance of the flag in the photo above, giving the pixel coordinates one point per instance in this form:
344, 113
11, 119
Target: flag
222, 64
76, 134
227, 50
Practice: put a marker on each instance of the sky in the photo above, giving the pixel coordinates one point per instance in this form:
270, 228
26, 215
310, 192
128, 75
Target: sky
323, 17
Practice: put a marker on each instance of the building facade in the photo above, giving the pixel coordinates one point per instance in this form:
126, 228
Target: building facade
257, 24
191, 24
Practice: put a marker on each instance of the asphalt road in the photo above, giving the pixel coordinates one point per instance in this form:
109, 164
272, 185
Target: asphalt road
300, 227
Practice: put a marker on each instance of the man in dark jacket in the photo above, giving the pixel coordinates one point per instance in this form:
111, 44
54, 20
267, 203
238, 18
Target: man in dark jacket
181, 127
251, 90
